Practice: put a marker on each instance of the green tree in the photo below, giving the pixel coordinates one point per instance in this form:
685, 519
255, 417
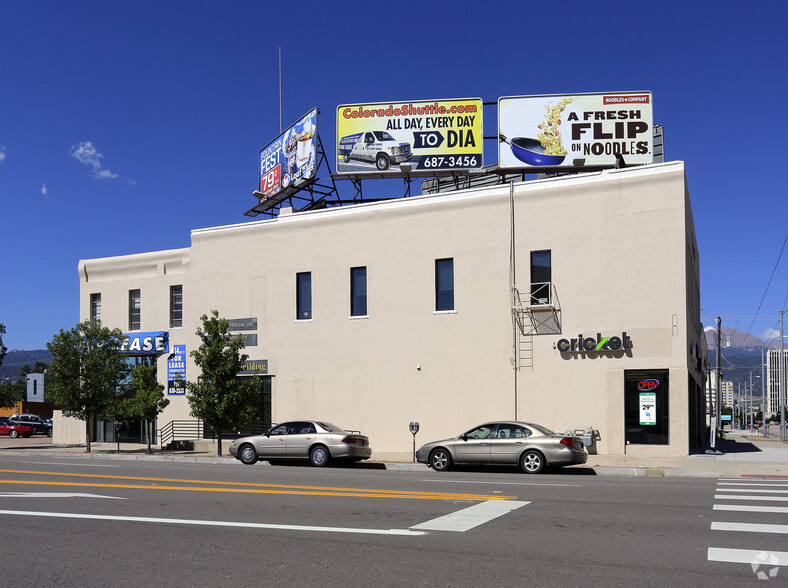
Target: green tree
219, 397
12, 393
145, 400
86, 372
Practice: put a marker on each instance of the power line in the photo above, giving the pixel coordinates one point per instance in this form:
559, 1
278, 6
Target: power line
774, 271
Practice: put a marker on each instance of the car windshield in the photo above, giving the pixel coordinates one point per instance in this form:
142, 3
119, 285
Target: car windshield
541, 429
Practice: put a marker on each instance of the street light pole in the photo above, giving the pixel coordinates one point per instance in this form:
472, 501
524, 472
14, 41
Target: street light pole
782, 379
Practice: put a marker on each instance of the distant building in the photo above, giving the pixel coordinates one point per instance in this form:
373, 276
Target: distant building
36, 387
773, 381
726, 393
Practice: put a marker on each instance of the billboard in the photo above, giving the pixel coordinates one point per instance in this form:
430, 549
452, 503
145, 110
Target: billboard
555, 130
425, 135
288, 162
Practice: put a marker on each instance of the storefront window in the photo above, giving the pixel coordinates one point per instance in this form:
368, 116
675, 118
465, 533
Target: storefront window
646, 407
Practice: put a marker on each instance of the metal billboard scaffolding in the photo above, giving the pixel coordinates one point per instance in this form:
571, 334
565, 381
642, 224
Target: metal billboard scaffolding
307, 195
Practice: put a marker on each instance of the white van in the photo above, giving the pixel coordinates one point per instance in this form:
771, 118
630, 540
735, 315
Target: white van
377, 146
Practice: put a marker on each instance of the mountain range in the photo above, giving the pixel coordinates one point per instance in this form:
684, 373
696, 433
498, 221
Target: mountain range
15, 360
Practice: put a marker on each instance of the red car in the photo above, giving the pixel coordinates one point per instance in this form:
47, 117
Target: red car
13, 430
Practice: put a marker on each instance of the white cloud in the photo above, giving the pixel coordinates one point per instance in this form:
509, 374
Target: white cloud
44, 190
3, 151
87, 154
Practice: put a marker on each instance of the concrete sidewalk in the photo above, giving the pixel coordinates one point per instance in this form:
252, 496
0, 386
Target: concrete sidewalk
743, 455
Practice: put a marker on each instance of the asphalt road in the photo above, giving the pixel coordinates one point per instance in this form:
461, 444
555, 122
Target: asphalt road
76, 522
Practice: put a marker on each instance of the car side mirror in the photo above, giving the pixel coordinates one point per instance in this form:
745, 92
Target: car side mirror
464, 437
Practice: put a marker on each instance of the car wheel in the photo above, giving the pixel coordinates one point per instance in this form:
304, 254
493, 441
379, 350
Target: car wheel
247, 454
440, 460
346, 157
13, 434
382, 162
49, 432
532, 462
319, 456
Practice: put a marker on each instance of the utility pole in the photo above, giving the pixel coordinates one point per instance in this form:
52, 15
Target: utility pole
715, 408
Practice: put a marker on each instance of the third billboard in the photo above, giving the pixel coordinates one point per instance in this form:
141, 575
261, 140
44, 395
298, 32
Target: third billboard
556, 130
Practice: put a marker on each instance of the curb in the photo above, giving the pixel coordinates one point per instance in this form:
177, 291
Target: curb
388, 466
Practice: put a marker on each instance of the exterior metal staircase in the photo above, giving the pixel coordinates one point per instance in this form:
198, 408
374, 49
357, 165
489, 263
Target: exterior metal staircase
535, 313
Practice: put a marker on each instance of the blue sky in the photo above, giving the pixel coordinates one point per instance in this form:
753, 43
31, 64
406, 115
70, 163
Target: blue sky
125, 124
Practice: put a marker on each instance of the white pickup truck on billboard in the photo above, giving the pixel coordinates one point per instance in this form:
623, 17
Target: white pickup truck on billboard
427, 135
561, 130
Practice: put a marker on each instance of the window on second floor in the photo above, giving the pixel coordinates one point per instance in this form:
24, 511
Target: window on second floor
95, 307
304, 296
358, 291
444, 284
134, 310
176, 306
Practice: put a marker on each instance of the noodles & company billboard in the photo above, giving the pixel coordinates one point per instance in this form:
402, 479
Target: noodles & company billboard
556, 130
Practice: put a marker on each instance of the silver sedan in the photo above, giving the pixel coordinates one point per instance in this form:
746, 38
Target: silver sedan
528, 445
318, 441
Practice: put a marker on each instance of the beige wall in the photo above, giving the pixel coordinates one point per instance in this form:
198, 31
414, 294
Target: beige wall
619, 242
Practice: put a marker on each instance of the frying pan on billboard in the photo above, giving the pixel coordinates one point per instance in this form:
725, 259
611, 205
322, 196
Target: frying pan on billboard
426, 135
558, 130
288, 162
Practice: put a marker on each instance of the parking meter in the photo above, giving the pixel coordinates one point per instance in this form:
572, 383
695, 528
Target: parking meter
414, 428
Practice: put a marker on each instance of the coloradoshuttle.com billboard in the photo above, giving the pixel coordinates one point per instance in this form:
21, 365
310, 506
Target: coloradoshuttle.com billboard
557, 130
425, 135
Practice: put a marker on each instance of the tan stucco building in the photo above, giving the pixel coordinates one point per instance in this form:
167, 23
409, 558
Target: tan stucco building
379, 314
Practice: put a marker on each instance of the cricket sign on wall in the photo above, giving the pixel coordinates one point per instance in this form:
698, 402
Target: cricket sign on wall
427, 135
556, 130
289, 161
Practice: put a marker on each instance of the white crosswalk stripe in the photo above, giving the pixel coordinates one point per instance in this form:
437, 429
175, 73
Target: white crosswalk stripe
766, 527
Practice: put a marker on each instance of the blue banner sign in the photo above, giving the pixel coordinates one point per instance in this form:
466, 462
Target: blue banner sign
176, 363
153, 342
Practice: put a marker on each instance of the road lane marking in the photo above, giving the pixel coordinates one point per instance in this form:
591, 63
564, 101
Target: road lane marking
750, 527
749, 508
772, 498
504, 483
76, 465
471, 517
748, 556
54, 495
779, 485
244, 487
754, 490
64, 515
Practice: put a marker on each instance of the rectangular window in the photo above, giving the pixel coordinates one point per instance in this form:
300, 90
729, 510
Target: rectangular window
541, 276
358, 291
304, 296
444, 284
176, 306
646, 407
134, 310
95, 307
